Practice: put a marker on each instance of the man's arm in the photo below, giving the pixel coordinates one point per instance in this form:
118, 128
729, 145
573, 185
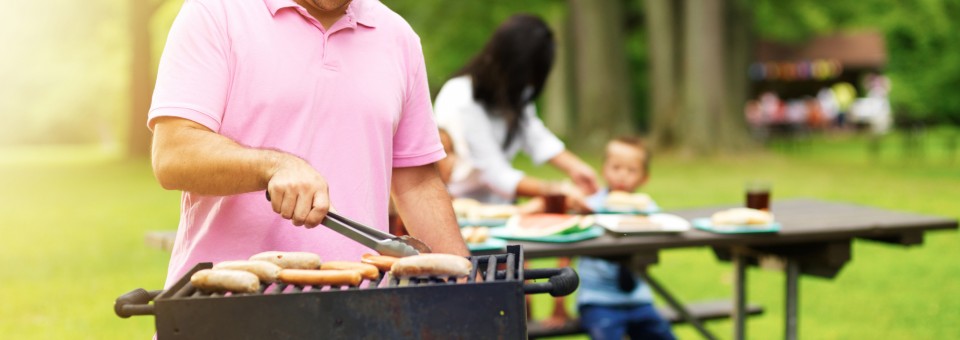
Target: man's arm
424, 205
188, 156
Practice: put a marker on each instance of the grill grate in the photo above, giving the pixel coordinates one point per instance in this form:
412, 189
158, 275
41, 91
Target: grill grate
491, 268
386, 308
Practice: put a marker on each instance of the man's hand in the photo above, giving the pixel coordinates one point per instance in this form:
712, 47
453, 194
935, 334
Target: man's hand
299, 193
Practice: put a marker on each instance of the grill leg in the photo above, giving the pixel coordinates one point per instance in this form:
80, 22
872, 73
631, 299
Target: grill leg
675, 304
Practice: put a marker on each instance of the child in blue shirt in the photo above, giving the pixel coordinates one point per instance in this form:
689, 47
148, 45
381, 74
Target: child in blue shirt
611, 300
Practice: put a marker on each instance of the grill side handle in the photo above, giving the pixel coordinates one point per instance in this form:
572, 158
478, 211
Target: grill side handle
560, 281
136, 302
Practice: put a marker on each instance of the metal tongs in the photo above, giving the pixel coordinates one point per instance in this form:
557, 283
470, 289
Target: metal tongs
382, 242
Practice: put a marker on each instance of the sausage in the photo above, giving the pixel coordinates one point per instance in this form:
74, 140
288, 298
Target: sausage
367, 271
289, 259
309, 277
432, 265
382, 262
265, 271
223, 280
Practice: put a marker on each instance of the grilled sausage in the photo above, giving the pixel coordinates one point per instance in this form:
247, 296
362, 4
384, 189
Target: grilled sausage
289, 259
367, 271
309, 277
382, 262
265, 271
432, 265
223, 280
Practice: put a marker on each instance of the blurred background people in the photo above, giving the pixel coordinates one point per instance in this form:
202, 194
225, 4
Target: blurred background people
488, 110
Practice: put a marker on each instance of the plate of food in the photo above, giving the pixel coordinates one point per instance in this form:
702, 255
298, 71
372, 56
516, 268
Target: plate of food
473, 213
552, 228
638, 224
738, 221
622, 202
478, 239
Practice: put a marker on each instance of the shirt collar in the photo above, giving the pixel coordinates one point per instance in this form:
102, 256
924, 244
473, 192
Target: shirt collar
359, 10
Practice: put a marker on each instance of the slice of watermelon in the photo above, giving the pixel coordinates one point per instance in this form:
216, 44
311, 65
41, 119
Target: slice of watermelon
537, 225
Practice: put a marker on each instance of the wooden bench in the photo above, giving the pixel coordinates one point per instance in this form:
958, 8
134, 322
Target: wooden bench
704, 310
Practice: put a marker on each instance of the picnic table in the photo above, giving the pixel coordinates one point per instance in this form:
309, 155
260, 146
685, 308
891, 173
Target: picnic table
815, 239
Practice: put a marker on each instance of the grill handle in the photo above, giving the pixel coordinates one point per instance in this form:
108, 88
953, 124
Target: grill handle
561, 281
136, 302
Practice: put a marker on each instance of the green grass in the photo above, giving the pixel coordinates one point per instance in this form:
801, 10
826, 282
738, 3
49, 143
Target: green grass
73, 222
885, 291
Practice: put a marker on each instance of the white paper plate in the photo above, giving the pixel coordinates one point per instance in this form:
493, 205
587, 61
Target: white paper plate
668, 223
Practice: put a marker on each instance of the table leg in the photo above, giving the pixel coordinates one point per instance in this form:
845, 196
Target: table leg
739, 295
675, 304
792, 303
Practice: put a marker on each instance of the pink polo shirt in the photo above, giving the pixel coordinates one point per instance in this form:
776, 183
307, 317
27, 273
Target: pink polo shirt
352, 100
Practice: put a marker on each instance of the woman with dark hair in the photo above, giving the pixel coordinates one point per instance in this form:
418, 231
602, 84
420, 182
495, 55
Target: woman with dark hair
487, 108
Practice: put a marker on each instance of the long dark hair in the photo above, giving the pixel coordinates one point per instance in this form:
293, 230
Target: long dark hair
520, 54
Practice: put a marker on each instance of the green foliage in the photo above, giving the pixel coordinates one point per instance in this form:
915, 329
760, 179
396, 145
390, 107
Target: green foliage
452, 32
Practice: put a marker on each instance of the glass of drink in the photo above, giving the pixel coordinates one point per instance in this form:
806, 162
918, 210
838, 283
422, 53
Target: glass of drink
758, 195
554, 201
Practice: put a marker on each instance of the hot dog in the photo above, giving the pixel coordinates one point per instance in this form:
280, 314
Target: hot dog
382, 262
367, 271
222, 280
309, 277
265, 271
289, 259
432, 265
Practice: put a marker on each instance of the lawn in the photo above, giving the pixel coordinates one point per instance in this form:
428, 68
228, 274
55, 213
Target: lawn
74, 220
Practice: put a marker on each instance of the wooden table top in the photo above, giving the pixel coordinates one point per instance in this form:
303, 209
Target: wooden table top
802, 221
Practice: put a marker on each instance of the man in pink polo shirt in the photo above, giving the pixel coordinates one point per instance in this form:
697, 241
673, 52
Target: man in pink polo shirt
320, 102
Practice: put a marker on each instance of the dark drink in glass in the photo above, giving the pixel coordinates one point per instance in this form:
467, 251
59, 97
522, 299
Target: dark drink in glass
758, 200
555, 204
758, 195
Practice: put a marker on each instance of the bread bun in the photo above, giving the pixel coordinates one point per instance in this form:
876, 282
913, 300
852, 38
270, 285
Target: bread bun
741, 217
475, 235
621, 200
462, 206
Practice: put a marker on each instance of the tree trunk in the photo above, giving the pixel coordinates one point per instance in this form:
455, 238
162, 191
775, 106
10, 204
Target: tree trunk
664, 27
705, 103
558, 95
699, 54
739, 55
141, 77
602, 87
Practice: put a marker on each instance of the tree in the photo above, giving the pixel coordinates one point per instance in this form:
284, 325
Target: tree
142, 76
602, 88
699, 55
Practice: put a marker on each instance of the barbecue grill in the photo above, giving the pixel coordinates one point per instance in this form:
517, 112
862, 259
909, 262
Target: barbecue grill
492, 307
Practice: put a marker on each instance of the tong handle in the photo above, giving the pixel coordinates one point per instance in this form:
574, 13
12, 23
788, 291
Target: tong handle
376, 233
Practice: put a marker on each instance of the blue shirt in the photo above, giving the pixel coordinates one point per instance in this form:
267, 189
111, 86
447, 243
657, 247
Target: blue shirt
598, 277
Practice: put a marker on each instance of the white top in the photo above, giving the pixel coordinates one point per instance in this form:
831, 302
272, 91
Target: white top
483, 170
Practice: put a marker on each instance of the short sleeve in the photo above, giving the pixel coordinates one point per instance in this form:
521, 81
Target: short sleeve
538, 142
485, 153
416, 141
193, 75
